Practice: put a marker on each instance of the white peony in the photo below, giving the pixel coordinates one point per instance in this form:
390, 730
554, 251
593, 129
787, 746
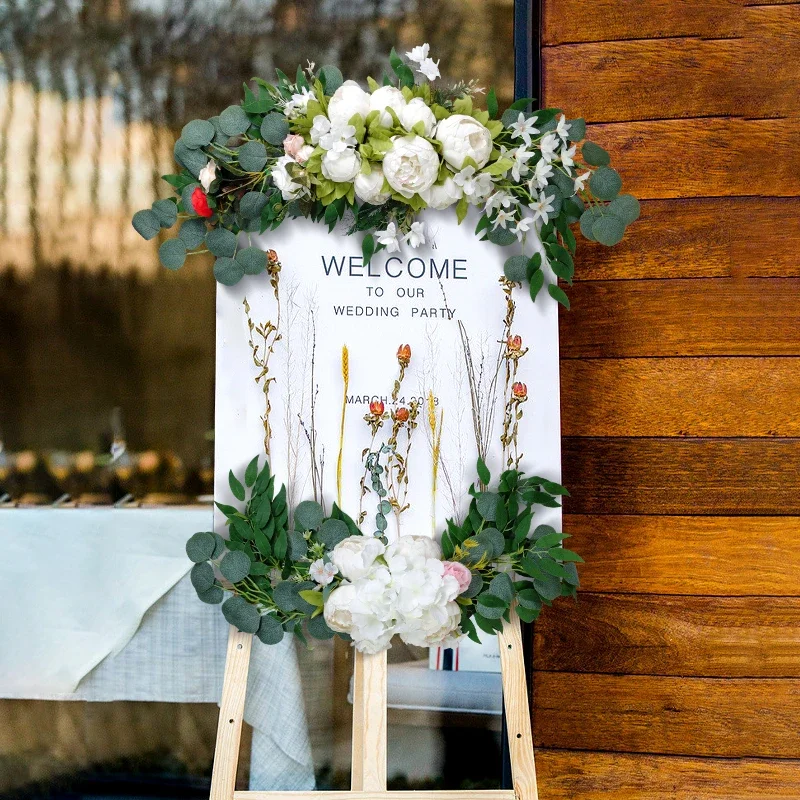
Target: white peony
443, 195
387, 97
288, 187
464, 137
369, 188
341, 167
417, 111
349, 99
337, 610
437, 626
208, 175
411, 552
355, 555
411, 166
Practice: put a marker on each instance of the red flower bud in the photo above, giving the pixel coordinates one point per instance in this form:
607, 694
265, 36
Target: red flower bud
376, 408
200, 203
404, 354
401, 415
519, 391
514, 343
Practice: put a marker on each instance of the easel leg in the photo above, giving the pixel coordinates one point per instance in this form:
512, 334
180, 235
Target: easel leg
518, 716
231, 713
369, 723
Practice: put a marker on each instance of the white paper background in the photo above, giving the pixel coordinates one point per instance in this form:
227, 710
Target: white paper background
309, 300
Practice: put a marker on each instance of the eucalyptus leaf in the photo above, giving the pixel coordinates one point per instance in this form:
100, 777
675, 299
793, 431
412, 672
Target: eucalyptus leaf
331, 77
595, 155
516, 268
308, 516
228, 271
252, 156
146, 223
234, 121
501, 237
274, 128
502, 587
200, 547
172, 254
212, 596
193, 160
221, 242
608, 229
605, 183
235, 566
577, 129
192, 232
253, 260
270, 630
626, 207
197, 133
487, 505
239, 613
166, 211
252, 204
202, 576
318, 628
331, 532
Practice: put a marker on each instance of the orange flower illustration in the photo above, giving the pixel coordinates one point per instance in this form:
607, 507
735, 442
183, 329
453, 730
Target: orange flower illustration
401, 415
519, 391
376, 408
404, 354
514, 344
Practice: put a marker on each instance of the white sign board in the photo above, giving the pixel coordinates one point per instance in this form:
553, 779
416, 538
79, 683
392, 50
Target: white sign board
445, 301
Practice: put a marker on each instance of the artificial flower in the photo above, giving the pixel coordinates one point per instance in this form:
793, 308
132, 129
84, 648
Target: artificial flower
442, 195
388, 237
416, 236
460, 572
514, 344
419, 53
541, 172
322, 572
387, 97
519, 391
376, 408
200, 203
369, 188
409, 551
411, 166
567, 160
548, 146
580, 180
521, 159
286, 185
297, 106
404, 355
463, 137
499, 199
337, 610
429, 68
208, 174
293, 144
475, 186
304, 154
416, 110
524, 128
347, 101
562, 129
502, 219
355, 555
402, 414
522, 227
542, 207
341, 166
339, 138
321, 125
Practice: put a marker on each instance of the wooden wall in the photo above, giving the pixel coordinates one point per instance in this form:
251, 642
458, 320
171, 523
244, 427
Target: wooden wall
677, 675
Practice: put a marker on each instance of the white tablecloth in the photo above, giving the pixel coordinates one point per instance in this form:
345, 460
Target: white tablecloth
98, 606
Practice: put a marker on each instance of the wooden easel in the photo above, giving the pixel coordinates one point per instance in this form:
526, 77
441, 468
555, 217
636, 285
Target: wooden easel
368, 781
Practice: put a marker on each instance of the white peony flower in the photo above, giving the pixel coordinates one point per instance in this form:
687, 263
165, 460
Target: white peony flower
437, 624
417, 111
442, 195
321, 572
349, 99
337, 610
369, 188
389, 238
411, 166
419, 53
297, 106
408, 552
341, 167
416, 236
376, 645
461, 137
387, 97
430, 69
355, 555
208, 175
288, 187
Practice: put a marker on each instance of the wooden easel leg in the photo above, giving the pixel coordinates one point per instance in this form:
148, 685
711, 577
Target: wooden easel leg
369, 723
518, 715
231, 713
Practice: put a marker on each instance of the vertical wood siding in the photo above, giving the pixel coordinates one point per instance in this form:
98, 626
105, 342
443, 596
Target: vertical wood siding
677, 675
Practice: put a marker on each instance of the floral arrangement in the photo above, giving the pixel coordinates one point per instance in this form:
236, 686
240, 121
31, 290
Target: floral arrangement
317, 574
326, 149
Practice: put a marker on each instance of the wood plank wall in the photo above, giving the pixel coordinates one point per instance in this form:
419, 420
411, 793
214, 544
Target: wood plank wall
677, 674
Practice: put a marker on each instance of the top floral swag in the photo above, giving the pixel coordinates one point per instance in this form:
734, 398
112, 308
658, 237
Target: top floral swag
323, 148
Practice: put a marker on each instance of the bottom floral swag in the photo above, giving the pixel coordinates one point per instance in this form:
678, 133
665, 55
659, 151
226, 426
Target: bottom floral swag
316, 574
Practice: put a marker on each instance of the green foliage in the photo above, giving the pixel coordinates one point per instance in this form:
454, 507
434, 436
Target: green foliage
274, 128
146, 224
605, 183
234, 121
252, 156
172, 253
516, 268
253, 260
228, 271
595, 155
192, 233
197, 133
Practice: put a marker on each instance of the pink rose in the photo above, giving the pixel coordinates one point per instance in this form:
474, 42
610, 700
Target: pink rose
460, 573
292, 144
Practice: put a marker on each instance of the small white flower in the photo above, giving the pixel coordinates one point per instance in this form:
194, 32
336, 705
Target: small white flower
523, 128
542, 207
502, 219
321, 126
430, 69
580, 180
207, 175
548, 145
541, 172
522, 227
284, 182
419, 53
567, 160
339, 138
321, 572
500, 199
474, 186
521, 159
562, 129
297, 106
416, 236
388, 238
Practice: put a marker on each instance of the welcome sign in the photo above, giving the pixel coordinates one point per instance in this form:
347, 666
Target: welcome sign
324, 339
